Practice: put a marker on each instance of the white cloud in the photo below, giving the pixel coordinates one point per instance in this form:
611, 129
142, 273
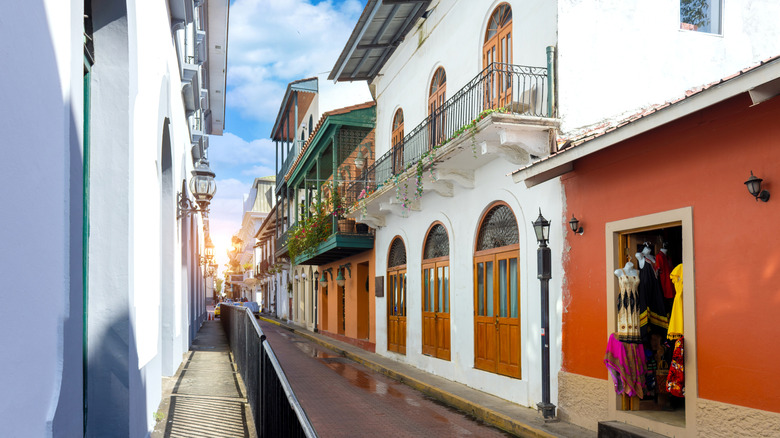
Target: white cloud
232, 149
274, 42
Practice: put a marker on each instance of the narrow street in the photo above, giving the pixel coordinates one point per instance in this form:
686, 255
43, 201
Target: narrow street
343, 398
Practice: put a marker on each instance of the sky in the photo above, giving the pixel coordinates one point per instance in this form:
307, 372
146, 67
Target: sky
270, 44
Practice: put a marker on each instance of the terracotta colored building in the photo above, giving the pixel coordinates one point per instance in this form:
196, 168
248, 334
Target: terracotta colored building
673, 177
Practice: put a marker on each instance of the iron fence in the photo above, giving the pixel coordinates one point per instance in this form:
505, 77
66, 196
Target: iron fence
515, 89
275, 409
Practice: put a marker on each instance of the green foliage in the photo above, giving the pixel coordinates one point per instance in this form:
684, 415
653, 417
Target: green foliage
696, 13
219, 282
310, 231
158, 416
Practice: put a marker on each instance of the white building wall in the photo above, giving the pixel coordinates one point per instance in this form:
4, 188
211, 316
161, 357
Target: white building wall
41, 216
452, 37
461, 215
617, 56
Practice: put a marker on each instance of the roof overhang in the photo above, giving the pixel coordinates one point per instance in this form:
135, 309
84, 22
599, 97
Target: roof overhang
217, 12
762, 82
379, 30
310, 85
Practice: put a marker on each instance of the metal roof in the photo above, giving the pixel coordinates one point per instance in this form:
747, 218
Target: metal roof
308, 85
381, 28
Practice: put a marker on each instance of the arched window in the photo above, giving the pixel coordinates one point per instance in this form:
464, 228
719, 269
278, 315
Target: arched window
436, 293
396, 297
497, 294
311, 124
436, 98
497, 50
397, 141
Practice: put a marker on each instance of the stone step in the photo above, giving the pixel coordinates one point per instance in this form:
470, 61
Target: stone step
616, 429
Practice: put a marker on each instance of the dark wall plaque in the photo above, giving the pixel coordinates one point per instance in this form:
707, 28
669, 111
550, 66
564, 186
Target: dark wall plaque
379, 287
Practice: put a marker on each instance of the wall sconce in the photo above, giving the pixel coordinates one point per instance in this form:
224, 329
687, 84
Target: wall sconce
202, 186
754, 187
574, 224
340, 280
324, 276
360, 160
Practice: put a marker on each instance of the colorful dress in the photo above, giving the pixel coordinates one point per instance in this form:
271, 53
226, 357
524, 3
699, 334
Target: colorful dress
651, 304
676, 318
628, 309
675, 382
664, 268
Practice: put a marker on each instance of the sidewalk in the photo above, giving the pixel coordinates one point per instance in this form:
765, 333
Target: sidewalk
206, 397
497, 412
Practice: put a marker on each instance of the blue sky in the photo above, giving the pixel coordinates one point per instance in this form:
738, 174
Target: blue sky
272, 43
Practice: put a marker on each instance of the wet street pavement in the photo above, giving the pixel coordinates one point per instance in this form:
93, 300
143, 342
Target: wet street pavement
345, 399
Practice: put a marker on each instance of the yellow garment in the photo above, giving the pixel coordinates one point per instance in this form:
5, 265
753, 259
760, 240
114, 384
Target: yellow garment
676, 319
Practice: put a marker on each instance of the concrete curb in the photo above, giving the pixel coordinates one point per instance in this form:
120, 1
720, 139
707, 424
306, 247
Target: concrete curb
486, 415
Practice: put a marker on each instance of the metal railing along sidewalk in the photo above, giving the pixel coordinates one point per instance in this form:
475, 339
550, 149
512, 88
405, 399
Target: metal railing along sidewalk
275, 409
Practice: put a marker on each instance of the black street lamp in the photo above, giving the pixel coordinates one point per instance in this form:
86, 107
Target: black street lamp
543, 263
316, 294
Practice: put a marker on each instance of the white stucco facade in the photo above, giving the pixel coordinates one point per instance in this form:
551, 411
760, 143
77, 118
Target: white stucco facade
615, 57
100, 158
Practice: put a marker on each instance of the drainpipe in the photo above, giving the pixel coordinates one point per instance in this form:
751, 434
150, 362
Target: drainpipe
551, 73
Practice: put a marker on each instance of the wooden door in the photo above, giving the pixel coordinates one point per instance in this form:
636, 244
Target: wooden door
397, 142
324, 301
436, 98
497, 50
396, 318
428, 311
442, 310
485, 324
507, 317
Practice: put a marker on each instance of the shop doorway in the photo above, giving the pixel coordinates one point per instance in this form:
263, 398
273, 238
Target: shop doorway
655, 252
342, 310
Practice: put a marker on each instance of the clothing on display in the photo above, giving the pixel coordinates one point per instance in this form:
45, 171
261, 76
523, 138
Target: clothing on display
664, 268
676, 318
652, 316
675, 382
626, 365
628, 308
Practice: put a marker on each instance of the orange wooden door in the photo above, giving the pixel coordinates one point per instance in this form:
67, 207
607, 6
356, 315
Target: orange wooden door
436, 310
507, 317
324, 301
397, 141
428, 311
497, 49
396, 324
436, 98
442, 310
485, 325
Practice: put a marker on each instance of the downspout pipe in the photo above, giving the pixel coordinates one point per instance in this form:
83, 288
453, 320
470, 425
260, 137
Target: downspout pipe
551, 85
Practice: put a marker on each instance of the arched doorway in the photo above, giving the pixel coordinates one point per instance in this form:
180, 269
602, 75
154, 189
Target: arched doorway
497, 50
397, 141
496, 293
436, 293
396, 297
436, 97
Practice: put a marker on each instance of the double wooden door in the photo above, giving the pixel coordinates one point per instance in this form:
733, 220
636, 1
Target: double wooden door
436, 310
497, 313
396, 311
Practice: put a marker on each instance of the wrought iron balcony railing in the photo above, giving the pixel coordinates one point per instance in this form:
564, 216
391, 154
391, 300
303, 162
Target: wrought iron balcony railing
515, 89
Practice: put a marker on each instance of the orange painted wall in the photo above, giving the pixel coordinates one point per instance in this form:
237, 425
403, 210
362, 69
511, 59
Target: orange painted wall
351, 302
701, 161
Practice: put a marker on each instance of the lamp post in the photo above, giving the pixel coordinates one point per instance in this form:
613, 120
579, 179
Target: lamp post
203, 188
543, 262
316, 309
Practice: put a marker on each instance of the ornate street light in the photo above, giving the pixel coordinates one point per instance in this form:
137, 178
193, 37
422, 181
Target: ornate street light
543, 262
202, 187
